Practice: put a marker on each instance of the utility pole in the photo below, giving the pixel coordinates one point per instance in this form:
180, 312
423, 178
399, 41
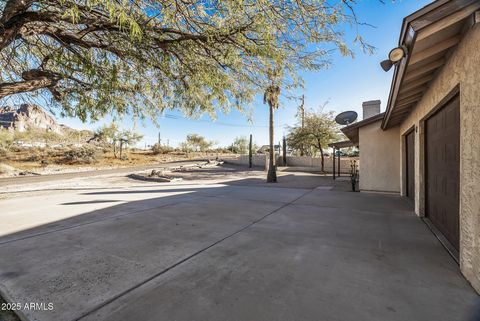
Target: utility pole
284, 151
159, 139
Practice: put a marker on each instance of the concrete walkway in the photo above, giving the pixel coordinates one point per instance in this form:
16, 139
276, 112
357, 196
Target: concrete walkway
229, 251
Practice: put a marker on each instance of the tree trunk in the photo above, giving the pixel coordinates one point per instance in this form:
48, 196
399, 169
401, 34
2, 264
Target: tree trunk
272, 173
121, 147
115, 148
321, 154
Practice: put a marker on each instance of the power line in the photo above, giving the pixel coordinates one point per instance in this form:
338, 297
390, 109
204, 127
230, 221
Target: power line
170, 116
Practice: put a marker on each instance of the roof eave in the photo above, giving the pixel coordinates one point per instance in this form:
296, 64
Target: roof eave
351, 131
407, 38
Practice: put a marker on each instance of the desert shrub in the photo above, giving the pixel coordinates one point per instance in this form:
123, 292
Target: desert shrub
158, 149
33, 157
6, 138
16, 149
55, 152
82, 155
3, 153
31, 154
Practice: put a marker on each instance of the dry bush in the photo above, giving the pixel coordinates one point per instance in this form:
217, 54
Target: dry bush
3, 154
158, 149
33, 157
82, 155
178, 153
16, 149
6, 138
55, 152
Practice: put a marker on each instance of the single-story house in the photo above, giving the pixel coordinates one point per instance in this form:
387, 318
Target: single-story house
426, 146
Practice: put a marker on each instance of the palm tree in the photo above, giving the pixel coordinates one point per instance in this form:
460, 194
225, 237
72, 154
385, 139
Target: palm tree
271, 98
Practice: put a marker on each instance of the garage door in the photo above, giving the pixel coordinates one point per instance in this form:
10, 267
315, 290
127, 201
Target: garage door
442, 170
410, 161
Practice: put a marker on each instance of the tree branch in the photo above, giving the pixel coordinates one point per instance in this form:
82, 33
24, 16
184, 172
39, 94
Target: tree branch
33, 80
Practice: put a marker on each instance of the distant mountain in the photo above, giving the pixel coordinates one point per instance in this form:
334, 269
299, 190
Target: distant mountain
27, 117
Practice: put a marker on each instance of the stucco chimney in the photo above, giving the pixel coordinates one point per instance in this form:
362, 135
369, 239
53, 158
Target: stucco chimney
370, 108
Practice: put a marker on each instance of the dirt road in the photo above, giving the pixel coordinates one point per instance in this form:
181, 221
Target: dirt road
21, 180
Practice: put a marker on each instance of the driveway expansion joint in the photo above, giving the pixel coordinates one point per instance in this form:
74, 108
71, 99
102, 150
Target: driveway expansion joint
188, 258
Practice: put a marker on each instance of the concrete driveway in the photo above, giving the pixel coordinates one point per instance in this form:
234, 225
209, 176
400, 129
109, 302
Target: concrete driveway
236, 250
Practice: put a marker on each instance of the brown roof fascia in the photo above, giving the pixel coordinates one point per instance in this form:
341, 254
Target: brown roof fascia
342, 144
407, 38
364, 122
355, 126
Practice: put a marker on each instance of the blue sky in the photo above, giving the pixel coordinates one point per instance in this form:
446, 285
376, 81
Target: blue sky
345, 85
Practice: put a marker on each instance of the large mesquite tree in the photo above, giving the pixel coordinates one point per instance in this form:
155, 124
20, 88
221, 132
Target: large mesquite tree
95, 57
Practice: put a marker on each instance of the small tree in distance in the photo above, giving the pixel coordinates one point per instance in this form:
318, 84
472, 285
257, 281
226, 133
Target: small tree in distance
318, 131
116, 138
240, 145
197, 143
107, 134
128, 138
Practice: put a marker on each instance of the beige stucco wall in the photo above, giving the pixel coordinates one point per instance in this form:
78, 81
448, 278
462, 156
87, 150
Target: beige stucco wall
379, 158
307, 161
463, 69
258, 160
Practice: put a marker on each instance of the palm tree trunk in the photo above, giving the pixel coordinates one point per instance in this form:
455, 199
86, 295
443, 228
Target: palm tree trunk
272, 173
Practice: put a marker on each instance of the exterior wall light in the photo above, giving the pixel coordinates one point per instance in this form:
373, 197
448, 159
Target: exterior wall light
394, 56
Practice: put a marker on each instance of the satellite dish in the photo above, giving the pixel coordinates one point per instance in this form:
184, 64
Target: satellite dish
347, 117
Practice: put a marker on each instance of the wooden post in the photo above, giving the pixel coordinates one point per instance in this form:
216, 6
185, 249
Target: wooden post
333, 162
250, 153
339, 156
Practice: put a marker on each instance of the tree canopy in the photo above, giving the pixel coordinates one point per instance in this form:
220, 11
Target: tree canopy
99, 57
